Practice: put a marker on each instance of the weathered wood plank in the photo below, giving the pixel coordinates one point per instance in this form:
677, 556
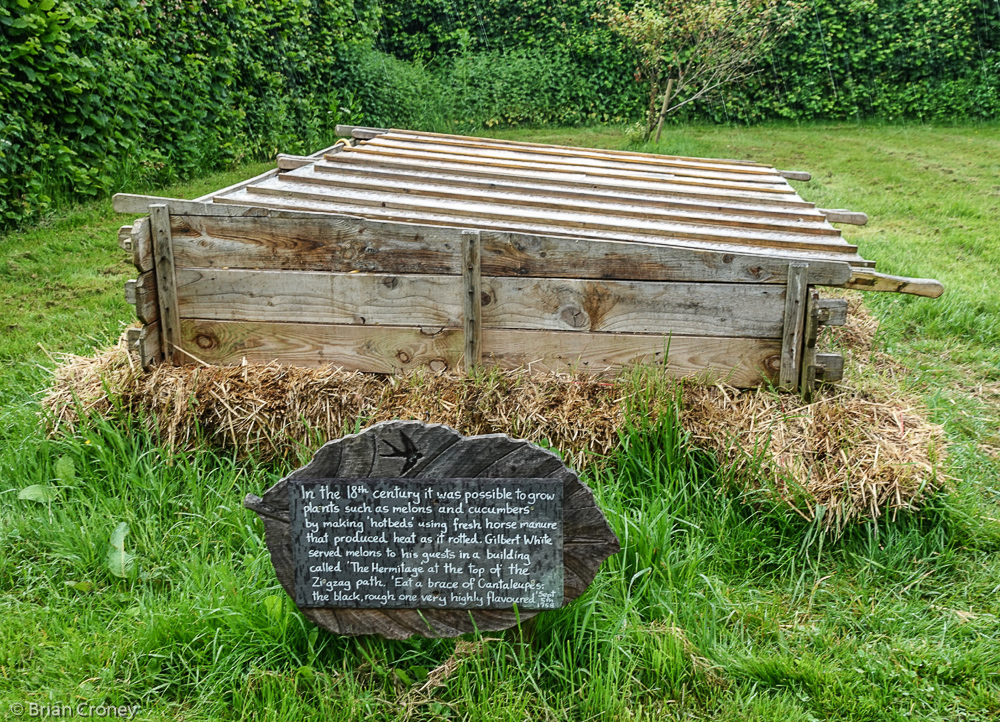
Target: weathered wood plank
595, 153
540, 197
142, 245
738, 310
810, 333
497, 210
829, 367
143, 292
472, 309
236, 186
628, 154
794, 324
832, 311
742, 362
159, 218
739, 361
553, 168
798, 175
544, 158
125, 238
864, 280
366, 348
349, 175
343, 243
659, 188
145, 344
840, 215
357, 131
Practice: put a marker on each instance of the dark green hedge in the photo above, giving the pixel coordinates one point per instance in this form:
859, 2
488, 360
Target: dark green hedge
919, 59
98, 95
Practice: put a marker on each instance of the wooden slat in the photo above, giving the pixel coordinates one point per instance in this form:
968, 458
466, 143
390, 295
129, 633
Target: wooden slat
143, 296
142, 245
832, 311
798, 175
737, 310
236, 186
149, 348
347, 175
864, 280
401, 207
163, 255
472, 304
741, 362
794, 323
574, 162
342, 243
357, 131
628, 153
364, 348
598, 154
829, 367
807, 370
539, 198
125, 238
660, 188
840, 215
553, 168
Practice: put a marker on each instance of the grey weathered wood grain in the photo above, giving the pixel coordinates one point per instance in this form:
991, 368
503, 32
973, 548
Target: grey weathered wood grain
829, 367
865, 280
527, 303
798, 175
472, 304
125, 238
794, 322
373, 451
345, 244
810, 334
143, 297
841, 215
166, 288
142, 245
832, 311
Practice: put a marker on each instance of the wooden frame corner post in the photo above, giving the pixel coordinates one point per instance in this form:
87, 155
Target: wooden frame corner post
472, 317
166, 285
794, 326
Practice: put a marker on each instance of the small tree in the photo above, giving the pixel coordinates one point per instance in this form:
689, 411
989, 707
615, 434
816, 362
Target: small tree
691, 48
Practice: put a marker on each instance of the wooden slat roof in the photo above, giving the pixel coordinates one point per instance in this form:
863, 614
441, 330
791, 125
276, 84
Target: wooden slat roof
435, 179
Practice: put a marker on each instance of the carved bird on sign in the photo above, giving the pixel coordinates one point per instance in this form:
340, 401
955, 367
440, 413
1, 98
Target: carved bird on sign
408, 452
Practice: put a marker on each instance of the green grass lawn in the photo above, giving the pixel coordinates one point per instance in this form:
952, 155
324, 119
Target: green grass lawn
716, 608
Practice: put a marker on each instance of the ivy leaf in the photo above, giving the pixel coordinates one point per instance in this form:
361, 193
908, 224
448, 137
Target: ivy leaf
42, 493
120, 562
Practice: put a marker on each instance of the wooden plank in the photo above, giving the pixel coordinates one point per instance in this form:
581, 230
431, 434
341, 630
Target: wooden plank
660, 188
829, 367
142, 245
147, 306
472, 311
130, 292
540, 198
125, 238
159, 218
149, 347
364, 348
343, 243
357, 131
596, 153
237, 186
787, 251
552, 168
694, 309
539, 157
347, 175
864, 280
798, 175
741, 362
807, 373
794, 324
831, 311
489, 214
627, 153
840, 215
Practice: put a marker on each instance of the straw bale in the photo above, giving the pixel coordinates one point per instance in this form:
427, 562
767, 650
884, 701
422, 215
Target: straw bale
854, 453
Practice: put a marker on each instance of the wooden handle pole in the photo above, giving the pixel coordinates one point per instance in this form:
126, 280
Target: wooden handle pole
473, 304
